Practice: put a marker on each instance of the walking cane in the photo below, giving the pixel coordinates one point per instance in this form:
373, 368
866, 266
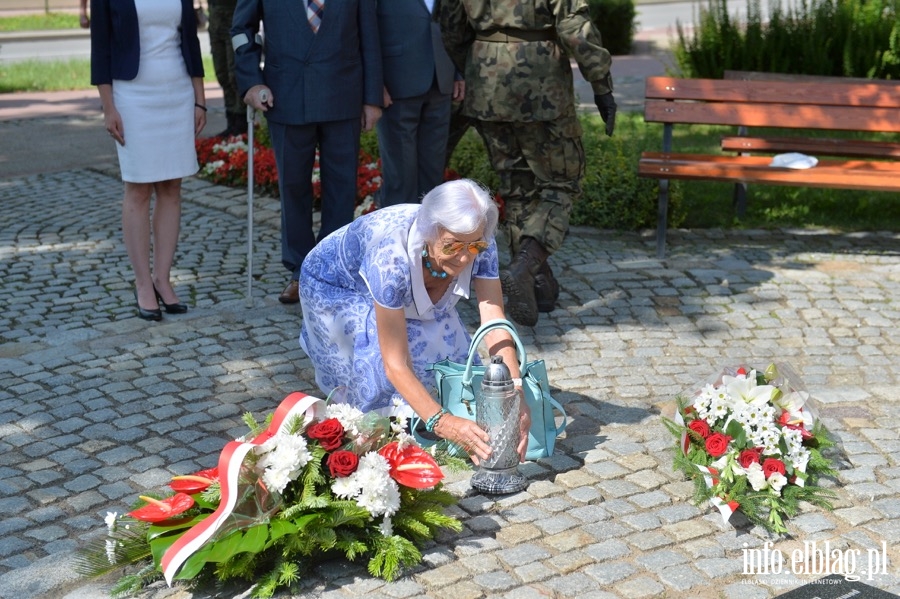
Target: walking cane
251, 117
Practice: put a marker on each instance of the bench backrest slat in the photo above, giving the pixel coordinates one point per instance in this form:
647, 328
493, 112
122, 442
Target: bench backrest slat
781, 92
792, 116
799, 78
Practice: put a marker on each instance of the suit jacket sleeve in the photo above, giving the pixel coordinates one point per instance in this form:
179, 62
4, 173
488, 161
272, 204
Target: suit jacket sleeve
247, 53
370, 48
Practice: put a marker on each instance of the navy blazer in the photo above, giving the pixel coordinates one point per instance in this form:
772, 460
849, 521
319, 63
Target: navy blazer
314, 77
115, 41
412, 49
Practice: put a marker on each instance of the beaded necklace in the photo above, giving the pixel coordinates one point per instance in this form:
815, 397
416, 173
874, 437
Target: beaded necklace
434, 273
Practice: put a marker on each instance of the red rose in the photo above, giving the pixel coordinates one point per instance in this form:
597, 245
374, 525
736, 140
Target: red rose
750, 456
342, 463
329, 433
771, 465
700, 427
717, 444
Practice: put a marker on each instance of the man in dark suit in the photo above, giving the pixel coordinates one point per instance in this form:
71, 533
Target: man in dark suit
419, 81
321, 84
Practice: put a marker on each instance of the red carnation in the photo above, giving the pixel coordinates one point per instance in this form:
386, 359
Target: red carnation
717, 444
329, 433
772, 465
700, 427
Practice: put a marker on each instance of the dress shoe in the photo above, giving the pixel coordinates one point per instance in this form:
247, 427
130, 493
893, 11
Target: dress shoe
144, 313
291, 293
176, 308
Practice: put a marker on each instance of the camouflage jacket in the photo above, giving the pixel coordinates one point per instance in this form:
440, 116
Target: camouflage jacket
523, 73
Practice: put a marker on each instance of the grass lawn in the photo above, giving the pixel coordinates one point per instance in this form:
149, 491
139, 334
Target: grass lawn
53, 75
39, 21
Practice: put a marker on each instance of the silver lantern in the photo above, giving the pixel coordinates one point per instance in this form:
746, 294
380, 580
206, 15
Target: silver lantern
497, 412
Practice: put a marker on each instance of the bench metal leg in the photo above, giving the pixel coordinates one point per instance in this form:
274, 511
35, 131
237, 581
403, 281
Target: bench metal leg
662, 218
739, 200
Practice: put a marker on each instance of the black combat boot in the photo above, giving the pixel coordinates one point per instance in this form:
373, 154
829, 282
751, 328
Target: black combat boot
546, 289
518, 281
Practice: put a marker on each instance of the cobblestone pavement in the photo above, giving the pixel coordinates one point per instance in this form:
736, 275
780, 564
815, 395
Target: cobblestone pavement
97, 405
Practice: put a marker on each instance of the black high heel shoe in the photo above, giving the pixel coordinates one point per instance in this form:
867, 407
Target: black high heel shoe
144, 313
177, 308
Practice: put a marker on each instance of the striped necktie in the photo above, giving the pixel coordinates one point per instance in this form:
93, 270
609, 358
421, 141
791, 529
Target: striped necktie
314, 10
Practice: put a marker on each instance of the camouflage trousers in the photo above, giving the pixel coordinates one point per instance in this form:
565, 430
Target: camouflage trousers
540, 166
220, 15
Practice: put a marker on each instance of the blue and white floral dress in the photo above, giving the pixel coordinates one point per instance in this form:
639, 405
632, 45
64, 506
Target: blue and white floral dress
378, 259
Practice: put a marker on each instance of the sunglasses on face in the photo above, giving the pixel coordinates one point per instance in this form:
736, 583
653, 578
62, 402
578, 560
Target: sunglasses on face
451, 248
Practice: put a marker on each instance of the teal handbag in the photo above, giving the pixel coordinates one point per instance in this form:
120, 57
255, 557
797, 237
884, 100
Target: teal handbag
457, 384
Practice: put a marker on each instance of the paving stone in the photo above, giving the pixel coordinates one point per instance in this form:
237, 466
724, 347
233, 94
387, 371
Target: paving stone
640, 587
609, 572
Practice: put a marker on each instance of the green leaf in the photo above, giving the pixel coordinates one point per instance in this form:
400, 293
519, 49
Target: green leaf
193, 564
157, 530
224, 548
279, 528
159, 545
255, 539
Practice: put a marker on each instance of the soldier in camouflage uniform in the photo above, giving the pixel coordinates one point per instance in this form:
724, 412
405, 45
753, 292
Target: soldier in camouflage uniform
220, 14
515, 55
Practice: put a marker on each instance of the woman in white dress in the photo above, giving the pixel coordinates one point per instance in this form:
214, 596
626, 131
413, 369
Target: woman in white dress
379, 305
146, 64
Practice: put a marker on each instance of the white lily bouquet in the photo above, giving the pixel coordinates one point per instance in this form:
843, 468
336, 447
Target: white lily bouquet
751, 441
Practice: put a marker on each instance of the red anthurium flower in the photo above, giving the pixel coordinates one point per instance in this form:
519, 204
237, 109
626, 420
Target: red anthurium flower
194, 483
411, 466
786, 422
160, 510
742, 371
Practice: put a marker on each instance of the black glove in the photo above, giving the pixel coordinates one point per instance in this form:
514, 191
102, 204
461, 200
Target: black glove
606, 104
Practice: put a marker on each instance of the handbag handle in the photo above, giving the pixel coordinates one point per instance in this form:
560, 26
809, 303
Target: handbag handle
483, 330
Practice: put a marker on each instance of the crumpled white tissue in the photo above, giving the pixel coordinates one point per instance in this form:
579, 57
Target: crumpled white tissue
794, 160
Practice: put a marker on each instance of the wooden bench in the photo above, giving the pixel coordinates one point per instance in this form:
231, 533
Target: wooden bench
794, 104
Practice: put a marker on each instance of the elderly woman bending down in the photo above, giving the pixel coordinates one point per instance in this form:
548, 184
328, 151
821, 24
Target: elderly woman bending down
379, 305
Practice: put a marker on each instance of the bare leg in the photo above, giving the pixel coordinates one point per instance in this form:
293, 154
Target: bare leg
136, 234
166, 226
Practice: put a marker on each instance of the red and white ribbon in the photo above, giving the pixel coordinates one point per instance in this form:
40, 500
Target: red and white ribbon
230, 461
726, 508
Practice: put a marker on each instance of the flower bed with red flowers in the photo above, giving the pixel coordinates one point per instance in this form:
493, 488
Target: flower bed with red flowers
224, 161
316, 480
751, 442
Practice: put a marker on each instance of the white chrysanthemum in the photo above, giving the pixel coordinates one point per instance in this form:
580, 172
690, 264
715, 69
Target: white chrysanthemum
345, 487
800, 459
777, 481
347, 415
111, 520
793, 438
277, 478
288, 452
382, 501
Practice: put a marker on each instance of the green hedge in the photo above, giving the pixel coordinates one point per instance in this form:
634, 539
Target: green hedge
851, 38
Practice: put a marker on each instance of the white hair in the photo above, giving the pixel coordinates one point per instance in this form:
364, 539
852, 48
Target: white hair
461, 206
